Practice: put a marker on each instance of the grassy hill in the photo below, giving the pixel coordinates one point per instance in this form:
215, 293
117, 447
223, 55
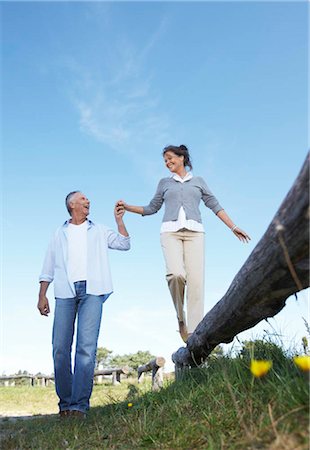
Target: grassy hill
221, 406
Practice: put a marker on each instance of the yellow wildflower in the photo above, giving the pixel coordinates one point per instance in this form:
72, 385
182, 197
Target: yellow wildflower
303, 362
259, 368
129, 405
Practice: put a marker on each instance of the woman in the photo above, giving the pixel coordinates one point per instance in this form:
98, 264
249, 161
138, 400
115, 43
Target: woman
182, 233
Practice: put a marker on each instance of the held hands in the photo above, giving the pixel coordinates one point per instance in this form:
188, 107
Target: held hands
119, 210
43, 305
121, 203
130, 208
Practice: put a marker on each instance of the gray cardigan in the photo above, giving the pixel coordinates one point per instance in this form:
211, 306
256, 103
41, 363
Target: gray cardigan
176, 194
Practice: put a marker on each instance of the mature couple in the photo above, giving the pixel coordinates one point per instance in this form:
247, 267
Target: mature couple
77, 262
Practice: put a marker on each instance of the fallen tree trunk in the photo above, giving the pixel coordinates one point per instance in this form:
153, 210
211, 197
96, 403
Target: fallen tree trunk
116, 373
277, 268
110, 371
156, 366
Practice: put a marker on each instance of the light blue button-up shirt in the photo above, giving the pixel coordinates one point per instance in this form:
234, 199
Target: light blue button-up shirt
99, 281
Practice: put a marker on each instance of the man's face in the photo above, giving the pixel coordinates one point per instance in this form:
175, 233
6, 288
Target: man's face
80, 204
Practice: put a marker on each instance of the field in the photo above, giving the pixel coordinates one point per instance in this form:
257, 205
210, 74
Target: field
219, 407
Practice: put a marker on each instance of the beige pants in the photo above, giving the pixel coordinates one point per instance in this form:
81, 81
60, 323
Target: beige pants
184, 256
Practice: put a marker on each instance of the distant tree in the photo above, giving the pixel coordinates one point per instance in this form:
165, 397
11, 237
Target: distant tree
132, 360
22, 372
21, 381
103, 357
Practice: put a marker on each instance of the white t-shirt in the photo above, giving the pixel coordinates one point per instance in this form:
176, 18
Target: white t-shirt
77, 252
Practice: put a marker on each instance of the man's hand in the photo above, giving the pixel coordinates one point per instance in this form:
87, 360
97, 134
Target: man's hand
119, 212
43, 305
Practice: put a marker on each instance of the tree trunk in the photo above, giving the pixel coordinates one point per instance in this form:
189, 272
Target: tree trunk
277, 268
156, 366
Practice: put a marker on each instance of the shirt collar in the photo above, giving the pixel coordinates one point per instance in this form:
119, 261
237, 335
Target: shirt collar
90, 223
187, 177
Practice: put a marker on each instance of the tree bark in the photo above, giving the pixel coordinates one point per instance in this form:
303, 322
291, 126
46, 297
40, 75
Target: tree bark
115, 372
156, 366
109, 371
277, 268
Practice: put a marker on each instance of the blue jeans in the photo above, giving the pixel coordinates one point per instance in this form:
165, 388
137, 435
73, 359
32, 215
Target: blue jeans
74, 389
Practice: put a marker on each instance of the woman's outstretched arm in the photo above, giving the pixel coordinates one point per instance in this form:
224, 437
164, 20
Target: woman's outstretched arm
130, 208
152, 208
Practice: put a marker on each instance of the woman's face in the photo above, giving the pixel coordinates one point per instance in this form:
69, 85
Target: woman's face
174, 162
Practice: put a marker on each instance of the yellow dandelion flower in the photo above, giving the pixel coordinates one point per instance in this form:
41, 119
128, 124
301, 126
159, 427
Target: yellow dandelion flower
303, 362
259, 368
129, 405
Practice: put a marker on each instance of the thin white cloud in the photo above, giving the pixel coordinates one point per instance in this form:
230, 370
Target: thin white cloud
118, 105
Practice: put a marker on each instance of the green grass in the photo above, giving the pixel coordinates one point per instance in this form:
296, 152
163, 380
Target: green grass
219, 407
29, 401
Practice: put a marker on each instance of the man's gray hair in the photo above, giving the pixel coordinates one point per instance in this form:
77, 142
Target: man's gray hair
68, 200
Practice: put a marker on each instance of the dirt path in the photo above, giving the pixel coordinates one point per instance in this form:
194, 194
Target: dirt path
12, 418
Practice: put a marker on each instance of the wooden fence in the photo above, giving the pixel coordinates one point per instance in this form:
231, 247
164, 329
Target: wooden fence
34, 380
44, 380
277, 268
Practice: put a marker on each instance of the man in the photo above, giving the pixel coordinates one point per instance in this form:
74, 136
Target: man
77, 262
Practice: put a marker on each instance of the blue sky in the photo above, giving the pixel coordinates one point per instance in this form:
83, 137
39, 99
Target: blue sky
91, 94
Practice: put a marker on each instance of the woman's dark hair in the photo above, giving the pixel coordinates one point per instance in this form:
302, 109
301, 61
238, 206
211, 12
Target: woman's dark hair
182, 150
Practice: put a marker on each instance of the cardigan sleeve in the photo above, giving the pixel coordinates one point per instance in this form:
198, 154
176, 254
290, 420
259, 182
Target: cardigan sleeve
156, 202
209, 198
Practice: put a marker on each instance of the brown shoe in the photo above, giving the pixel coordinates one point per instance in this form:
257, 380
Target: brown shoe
78, 414
64, 414
183, 331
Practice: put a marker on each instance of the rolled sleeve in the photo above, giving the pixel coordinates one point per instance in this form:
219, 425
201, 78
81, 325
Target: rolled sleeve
156, 202
117, 241
48, 268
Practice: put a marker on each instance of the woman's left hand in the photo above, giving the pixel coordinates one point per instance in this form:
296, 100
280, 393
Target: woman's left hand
241, 235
